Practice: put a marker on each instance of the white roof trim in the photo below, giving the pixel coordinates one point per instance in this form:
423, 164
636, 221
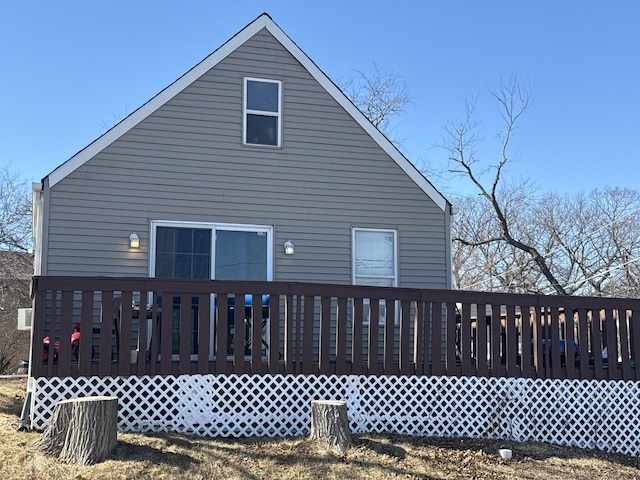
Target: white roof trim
263, 21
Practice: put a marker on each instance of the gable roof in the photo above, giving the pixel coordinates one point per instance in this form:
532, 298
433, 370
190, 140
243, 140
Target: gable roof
263, 21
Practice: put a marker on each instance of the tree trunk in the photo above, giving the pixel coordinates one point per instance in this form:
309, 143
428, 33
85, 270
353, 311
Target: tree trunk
82, 430
54, 436
330, 424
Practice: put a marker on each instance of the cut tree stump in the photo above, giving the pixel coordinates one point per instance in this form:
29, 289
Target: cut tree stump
82, 430
330, 424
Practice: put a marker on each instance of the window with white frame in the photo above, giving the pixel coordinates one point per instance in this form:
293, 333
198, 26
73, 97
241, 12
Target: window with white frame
208, 251
374, 257
262, 122
375, 261
211, 251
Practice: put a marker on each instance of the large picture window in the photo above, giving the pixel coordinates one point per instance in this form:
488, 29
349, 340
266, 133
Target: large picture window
262, 112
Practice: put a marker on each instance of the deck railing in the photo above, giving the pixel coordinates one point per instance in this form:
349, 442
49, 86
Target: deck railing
104, 326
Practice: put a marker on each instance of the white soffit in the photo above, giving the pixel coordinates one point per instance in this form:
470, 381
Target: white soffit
263, 21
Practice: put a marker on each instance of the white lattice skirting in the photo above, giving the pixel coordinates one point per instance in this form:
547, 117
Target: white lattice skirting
584, 413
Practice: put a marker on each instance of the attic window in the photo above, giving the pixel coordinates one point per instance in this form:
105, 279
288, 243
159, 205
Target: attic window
262, 112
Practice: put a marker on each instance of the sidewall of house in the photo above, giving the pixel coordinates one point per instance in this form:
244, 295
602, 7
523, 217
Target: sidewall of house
186, 162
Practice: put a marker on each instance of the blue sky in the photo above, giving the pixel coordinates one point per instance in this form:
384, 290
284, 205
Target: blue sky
70, 68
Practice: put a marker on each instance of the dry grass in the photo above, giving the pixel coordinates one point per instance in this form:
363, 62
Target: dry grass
175, 456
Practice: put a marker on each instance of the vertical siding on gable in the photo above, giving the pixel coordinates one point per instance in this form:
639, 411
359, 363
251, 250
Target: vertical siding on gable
186, 162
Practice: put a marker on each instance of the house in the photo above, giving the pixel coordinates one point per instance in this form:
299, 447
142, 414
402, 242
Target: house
251, 167
15, 275
224, 255
252, 148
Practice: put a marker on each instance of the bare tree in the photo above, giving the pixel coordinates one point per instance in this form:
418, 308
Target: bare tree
591, 242
14, 294
494, 266
117, 117
381, 96
15, 211
514, 99
15, 264
597, 239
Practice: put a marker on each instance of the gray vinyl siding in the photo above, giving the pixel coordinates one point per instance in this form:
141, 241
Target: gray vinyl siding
186, 162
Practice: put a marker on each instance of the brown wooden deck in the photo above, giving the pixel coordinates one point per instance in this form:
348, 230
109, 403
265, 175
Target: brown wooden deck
191, 327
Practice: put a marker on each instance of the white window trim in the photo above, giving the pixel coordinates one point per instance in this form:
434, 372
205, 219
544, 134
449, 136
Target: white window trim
268, 230
246, 111
395, 252
395, 265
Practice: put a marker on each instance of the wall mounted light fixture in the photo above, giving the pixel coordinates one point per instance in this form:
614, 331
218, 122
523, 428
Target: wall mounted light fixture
134, 240
288, 247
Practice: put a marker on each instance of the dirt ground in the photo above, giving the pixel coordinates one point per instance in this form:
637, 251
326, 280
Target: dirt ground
373, 457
